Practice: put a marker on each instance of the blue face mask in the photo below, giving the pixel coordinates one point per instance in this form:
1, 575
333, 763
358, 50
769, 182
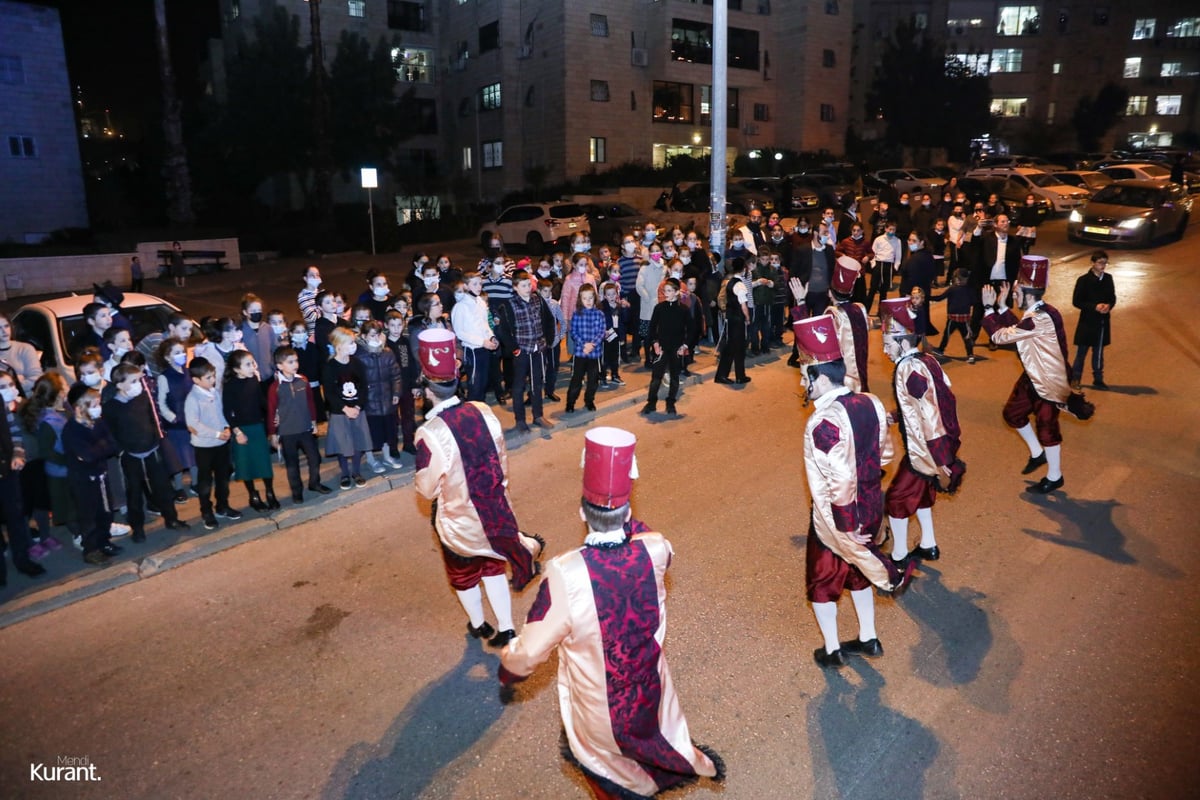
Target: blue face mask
891, 234
913, 246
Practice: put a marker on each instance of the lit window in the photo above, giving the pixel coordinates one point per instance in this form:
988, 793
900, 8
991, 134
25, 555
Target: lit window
413, 65
1188, 26
493, 155
826, 112
1009, 106
731, 111
11, 70
673, 102
1006, 60
599, 91
957, 27
976, 63
1136, 105
1168, 105
1133, 67
1018, 21
1171, 68
599, 24
466, 158
489, 97
25, 147
1050, 109
597, 150
357, 8
1057, 67
1143, 28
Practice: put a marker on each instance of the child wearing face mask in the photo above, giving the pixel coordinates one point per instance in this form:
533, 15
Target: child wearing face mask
171, 391
397, 342
378, 295
221, 337
649, 277
616, 316
344, 384
245, 410
89, 370
43, 417
119, 343
586, 337
204, 412
88, 445
385, 385
580, 276
135, 429
551, 355
12, 464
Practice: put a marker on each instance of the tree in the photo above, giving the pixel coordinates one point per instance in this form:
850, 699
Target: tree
175, 163
928, 99
1095, 117
367, 119
322, 151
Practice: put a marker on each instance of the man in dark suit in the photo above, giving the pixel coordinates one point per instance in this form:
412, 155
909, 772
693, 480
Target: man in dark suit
999, 262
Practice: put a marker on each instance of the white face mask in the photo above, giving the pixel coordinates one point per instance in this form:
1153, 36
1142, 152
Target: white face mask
94, 412
8, 394
460, 296
498, 267
134, 390
686, 259
676, 273
380, 291
802, 230
544, 272
91, 379
237, 336
629, 248
179, 359
374, 345
581, 247
117, 352
279, 330
299, 339
913, 247
312, 283
777, 238
431, 282
739, 244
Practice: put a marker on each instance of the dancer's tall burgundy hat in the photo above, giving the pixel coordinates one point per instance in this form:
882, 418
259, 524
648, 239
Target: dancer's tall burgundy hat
1035, 272
609, 466
435, 348
817, 340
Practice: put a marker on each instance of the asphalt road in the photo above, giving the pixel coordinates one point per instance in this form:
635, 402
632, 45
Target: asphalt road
1050, 653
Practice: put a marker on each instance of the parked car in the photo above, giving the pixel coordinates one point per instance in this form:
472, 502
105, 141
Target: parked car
738, 199
50, 325
803, 198
1062, 196
609, 222
910, 179
978, 189
1149, 171
1019, 161
536, 225
1132, 212
1089, 180
831, 191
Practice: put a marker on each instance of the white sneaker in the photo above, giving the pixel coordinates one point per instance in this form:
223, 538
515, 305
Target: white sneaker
394, 463
376, 466
119, 529
78, 541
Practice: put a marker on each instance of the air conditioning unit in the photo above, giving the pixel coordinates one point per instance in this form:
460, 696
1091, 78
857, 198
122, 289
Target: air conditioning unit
525, 52
639, 57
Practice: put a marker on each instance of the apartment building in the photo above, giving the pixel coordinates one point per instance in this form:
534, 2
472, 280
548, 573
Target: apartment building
41, 179
558, 88
1042, 58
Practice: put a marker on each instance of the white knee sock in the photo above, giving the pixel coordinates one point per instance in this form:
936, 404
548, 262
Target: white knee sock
500, 600
1054, 462
899, 537
864, 607
925, 517
1031, 441
472, 603
827, 622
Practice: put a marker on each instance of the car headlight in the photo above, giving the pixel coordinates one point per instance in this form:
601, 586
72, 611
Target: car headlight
1130, 224
1075, 217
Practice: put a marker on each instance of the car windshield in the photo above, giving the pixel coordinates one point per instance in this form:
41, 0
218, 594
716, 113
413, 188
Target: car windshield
568, 210
143, 319
1155, 171
923, 173
1135, 196
1044, 180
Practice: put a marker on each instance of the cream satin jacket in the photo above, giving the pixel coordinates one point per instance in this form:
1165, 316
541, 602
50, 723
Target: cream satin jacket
1037, 338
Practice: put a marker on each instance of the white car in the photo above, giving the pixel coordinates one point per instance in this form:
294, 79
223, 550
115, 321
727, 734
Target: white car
913, 180
1149, 171
1062, 196
537, 225
50, 325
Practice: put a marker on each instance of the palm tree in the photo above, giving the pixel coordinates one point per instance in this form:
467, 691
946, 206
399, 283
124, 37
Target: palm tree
175, 163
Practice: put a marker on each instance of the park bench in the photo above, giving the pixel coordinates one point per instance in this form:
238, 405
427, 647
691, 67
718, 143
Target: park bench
194, 261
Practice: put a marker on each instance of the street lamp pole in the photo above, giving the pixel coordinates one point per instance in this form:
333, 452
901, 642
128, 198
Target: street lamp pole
719, 113
370, 180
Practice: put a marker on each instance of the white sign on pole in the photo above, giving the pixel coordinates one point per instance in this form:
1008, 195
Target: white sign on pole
370, 178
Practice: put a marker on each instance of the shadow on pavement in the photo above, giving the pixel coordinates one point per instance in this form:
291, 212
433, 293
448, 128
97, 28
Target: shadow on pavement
1129, 390
862, 749
438, 726
958, 641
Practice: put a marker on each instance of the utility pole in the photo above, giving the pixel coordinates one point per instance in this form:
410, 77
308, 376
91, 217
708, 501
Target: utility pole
720, 112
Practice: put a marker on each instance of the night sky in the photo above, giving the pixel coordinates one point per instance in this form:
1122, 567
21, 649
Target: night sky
112, 55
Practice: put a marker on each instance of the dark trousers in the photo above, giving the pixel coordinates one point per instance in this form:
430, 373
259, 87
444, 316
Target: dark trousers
583, 367
140, 473
635, 305
408, 418
93, 507
778, 315
960, 327
528, 370
12, 515
670, 363
1081, 351
550, 361
136, 284
213, 468
881, 282
292, 444
733, 349
385, 429
477, 362
760, 329
610, 359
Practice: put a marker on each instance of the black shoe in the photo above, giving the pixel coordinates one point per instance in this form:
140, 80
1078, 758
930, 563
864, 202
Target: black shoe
552, 397
484, 631
685, 373
177, 525
359, 481
1034, 462
590, 406
827, 660
927, 553
722, 380
272, 501
794, 362
320, 488
905, 567
229, 513
139, 536
210, 522
111, 549
670, 408
743, 379
1099, 384
256, 503
411, 449
649, 408
297, 498
180, 497
502, 638
32, 569
346, 482
153, 510
522, 427
855, 647
96, 558
1046, 486
570, 409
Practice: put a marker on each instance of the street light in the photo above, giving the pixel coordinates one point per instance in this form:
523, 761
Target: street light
370, 180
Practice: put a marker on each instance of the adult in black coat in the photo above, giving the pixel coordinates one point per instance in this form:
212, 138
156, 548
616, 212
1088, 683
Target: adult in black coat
1095, 295
988, 253
920, 270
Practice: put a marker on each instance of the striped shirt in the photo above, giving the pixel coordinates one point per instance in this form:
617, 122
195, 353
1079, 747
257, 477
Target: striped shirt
498, 290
